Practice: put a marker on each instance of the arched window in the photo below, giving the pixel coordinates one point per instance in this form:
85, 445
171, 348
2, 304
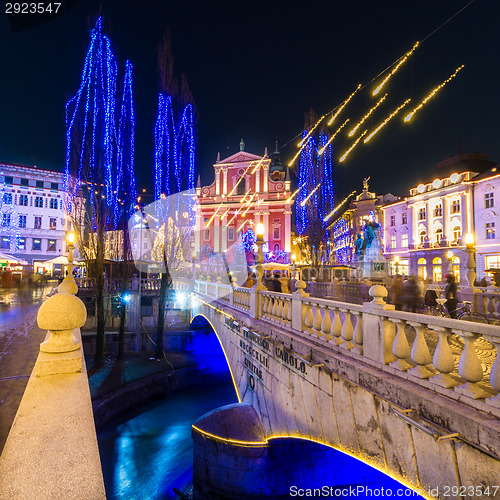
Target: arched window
422, 235
437, 270
241, 186
421, 268
457, 232
439, 235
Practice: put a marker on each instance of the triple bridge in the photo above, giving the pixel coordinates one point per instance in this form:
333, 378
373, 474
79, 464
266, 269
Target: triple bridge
415, 396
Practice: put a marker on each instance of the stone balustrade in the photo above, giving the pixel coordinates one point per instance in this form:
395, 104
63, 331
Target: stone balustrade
452, 357
148, 285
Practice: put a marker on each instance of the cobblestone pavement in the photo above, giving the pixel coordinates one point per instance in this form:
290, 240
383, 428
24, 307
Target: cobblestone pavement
20, 339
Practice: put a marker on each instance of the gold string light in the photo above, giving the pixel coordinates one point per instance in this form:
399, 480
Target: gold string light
292, 196
322, 150
400, 63
213, 216
258, 164
409, 116
330, 215
309, 195
352, 132
343, 105
311, 131
346, 154
298, 152
390, 117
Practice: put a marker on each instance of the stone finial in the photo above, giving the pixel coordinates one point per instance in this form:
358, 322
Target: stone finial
218, 157
378, 292
265, 151
219, 279
242, 145
60, 315
234, 281
300, 285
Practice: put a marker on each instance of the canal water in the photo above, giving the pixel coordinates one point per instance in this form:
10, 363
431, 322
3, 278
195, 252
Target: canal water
147, 454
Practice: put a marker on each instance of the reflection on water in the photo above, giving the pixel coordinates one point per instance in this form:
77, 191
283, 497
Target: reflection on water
150, 454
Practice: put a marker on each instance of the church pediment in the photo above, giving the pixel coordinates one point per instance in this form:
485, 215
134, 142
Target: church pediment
240, 157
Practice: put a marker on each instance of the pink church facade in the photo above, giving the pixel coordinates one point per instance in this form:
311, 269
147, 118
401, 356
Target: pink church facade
247, 189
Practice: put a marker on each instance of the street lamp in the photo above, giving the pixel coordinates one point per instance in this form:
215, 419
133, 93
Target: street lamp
471, 262
259, 256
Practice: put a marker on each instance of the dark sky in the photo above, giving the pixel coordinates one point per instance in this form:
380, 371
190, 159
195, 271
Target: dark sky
256, 67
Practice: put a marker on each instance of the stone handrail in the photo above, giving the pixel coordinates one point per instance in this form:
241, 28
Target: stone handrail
454, 357
151, 284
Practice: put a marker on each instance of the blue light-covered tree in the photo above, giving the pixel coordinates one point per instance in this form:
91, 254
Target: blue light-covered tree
315, 176
174, 158
99, 161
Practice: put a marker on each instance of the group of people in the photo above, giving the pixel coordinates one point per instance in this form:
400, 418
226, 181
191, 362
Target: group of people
410, 295
271, 282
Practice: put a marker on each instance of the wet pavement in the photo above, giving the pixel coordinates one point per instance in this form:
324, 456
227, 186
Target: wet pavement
20, 340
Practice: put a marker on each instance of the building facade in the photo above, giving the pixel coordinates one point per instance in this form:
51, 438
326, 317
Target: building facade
247, 189
32, 218
346, 228
424, 234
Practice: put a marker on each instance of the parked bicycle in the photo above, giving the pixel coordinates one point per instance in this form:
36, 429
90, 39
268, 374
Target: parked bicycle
464, 313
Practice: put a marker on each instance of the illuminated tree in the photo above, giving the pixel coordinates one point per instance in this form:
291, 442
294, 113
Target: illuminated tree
315, 200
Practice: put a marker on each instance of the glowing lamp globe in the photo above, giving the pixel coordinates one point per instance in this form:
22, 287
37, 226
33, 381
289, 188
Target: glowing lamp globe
454, 178
449, 254
469, 239
420, 188
436, 183
70, 237
259, 230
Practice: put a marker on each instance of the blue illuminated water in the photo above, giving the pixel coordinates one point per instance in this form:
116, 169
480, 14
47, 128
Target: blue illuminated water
149, 454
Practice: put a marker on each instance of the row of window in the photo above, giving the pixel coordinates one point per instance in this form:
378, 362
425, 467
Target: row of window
230, 233
22, 243
7, 221
457, 233
9, 181
23, 201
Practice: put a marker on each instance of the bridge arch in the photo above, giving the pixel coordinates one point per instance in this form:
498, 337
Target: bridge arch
207, 320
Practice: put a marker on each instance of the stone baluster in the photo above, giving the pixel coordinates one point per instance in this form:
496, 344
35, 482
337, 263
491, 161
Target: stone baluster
289, 315
470, 368
358, 333
265, 303
309, 320
347, 330
279, 311
275, 308
443, 360
495, 373
491, 306
420, 352
400, 346
285, 312
326, 325
336, 330
318, 320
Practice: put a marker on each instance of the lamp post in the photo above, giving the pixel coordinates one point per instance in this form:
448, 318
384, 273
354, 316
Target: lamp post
471, 262
259, 256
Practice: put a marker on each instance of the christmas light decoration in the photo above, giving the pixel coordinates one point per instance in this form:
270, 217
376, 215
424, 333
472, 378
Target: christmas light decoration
322, 150
330, 215
258, 164
249, 240
90, 123
409, 116
309, 133
400, 63
387, 120
353, 131
213, 216
343, 105
346, 154
292, 196
299, 152
302, 203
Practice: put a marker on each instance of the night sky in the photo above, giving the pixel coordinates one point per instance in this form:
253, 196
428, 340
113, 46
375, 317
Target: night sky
256, 67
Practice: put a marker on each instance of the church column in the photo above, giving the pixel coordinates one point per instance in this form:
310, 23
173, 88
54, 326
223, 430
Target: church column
224, 234
257, 180
216, 233
288, 231
265, 171
217, 181
265, 221
224, 187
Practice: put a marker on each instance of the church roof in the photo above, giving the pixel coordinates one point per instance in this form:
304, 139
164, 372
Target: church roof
239, 157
